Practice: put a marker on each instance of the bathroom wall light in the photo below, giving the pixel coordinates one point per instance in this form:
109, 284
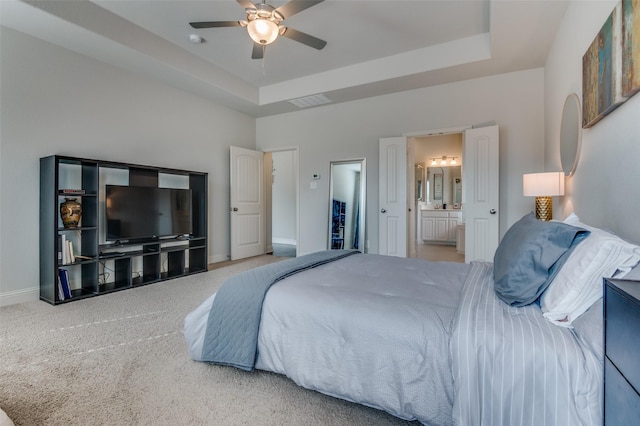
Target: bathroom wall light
444, 161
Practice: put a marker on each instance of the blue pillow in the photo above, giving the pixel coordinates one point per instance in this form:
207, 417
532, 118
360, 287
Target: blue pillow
529, 256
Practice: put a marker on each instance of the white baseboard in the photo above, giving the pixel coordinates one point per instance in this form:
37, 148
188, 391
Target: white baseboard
218, 258
19, 296
289, 241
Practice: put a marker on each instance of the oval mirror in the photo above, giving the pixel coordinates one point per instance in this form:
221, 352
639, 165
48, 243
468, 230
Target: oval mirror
347, 200
570, 134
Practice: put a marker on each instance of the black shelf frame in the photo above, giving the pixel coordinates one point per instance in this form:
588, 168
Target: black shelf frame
183, 256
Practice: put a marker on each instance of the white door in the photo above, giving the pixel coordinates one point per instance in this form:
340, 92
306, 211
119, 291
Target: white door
392, 211
481, 193
412, 202
247, 203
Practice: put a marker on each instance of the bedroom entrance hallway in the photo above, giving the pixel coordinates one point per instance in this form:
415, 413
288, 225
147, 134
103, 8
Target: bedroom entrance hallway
281, 177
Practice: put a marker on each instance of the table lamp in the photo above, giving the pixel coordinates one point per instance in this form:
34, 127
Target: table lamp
543, 186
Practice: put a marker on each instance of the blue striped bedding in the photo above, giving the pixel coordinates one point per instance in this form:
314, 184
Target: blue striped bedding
422, 340
512, 367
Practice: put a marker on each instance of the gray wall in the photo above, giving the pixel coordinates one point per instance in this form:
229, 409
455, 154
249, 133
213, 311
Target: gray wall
604, 190
352, 130
284, 197
55, 101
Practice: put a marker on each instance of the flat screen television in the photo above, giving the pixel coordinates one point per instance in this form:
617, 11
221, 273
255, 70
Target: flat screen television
143, 213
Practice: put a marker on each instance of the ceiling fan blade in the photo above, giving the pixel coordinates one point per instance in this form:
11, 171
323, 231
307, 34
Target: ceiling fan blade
304, 38
258, 51
294, 6
246, 4
215, 24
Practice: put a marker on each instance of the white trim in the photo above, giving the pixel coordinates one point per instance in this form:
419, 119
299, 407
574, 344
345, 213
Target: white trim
218, 258
281, 148
20, 296
288, 241
436, 132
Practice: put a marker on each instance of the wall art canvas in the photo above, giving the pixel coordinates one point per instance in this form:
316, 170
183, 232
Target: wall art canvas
602, 71
630, 47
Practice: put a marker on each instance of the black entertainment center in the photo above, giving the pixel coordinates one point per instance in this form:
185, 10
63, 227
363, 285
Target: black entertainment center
141, 232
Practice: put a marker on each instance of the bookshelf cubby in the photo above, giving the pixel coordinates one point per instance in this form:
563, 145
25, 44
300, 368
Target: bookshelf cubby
103, 266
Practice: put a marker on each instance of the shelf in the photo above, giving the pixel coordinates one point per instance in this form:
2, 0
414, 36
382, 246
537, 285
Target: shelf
79, 228
70, 195
113, 286
104, 273
78, 263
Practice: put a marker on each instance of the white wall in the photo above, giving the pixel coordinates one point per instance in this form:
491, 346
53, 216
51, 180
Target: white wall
436, 146
352, 130
283, 197
604, 189
55, 101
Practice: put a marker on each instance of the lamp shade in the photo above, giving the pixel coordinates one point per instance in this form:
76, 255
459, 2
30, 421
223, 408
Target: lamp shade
543, 184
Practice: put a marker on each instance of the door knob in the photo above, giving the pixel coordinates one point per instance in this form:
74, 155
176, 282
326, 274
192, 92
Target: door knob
492, 211
383, 211
235, 209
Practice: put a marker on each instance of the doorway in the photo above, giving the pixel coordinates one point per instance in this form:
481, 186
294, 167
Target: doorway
437, 192
282, 204
480, 198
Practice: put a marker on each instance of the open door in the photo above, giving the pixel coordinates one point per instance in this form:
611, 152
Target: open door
481, 197
247, 203
392, 210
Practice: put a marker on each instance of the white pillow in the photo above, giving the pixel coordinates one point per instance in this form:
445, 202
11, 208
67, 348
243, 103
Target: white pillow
579, 284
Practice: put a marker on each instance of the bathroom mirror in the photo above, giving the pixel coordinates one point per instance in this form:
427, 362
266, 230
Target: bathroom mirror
419, 176
570, 134
444, 185
347, 201
437, 186
457, 190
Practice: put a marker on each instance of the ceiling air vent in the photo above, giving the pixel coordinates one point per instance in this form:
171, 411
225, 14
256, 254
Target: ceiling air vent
309, 101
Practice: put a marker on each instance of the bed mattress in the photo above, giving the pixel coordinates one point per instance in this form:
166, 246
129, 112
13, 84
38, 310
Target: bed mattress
426, 341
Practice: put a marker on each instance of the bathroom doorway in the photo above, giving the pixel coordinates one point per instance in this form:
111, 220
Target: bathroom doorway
436, 207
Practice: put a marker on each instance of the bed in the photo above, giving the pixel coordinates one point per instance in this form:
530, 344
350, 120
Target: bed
438, 342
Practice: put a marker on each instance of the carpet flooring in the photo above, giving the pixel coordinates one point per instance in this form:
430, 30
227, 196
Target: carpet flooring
121, 359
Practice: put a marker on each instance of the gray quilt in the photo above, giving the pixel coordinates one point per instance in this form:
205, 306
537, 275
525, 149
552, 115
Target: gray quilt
231, 336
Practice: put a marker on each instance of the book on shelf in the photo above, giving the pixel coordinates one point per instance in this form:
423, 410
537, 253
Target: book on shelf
64, 281
66, 248
61, 295
71, 191
81, 257
72, 257
60, 260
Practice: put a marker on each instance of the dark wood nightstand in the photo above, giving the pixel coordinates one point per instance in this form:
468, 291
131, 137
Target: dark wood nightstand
622, 352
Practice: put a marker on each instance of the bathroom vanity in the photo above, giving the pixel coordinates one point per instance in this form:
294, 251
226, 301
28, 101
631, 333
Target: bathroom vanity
439, 225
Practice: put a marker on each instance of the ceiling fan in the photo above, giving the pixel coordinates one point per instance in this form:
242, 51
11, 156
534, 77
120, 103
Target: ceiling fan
264, 24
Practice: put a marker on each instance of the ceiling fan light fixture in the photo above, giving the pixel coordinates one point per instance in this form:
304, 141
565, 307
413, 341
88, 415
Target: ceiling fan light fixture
263, 31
